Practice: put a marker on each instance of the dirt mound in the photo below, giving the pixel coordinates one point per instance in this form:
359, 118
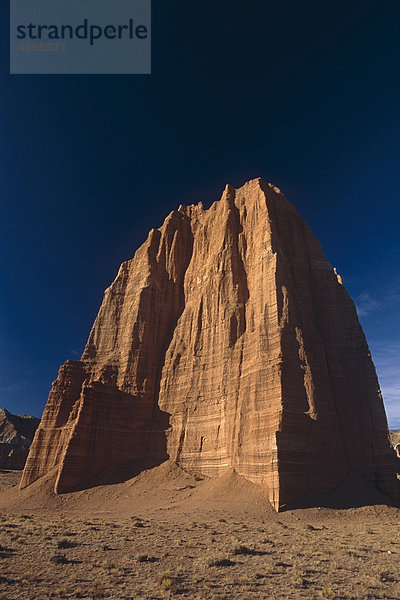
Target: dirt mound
164, 489
168, 492
232, 494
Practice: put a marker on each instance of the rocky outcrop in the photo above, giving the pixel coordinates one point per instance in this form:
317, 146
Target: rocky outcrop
395, 437
228, 341
16, 435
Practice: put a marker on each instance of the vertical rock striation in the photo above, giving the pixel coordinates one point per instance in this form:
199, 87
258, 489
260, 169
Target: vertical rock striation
228, 341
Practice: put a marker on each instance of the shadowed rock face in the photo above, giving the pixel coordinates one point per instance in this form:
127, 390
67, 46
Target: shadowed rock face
228, 341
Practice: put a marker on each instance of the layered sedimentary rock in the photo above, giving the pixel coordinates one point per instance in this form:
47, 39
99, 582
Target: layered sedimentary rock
228, 341
16, 435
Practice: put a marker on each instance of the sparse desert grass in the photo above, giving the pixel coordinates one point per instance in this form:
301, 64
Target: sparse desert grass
66, 543
299, 555
59, 559
220, 561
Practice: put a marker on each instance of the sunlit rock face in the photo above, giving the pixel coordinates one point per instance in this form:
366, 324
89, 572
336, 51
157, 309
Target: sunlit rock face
228, 341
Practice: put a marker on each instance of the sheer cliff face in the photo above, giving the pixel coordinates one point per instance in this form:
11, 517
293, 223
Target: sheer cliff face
228, 341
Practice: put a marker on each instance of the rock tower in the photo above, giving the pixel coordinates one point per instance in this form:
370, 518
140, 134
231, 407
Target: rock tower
228, 341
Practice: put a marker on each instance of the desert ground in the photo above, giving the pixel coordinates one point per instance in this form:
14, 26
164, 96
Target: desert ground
166, 534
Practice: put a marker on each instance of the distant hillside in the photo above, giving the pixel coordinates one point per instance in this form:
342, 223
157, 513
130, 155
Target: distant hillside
16, 435
395, 436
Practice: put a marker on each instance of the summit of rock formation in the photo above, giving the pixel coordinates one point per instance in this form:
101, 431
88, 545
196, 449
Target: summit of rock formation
228, 342
16, 435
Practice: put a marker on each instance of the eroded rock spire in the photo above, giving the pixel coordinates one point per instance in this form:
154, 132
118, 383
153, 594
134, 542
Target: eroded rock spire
228, 341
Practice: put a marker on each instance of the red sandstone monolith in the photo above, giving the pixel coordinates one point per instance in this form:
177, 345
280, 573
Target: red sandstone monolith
228, 341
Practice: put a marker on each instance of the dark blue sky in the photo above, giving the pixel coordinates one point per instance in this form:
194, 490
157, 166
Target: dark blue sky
305, 94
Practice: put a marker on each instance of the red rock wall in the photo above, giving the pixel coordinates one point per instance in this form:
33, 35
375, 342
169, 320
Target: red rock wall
227, 341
